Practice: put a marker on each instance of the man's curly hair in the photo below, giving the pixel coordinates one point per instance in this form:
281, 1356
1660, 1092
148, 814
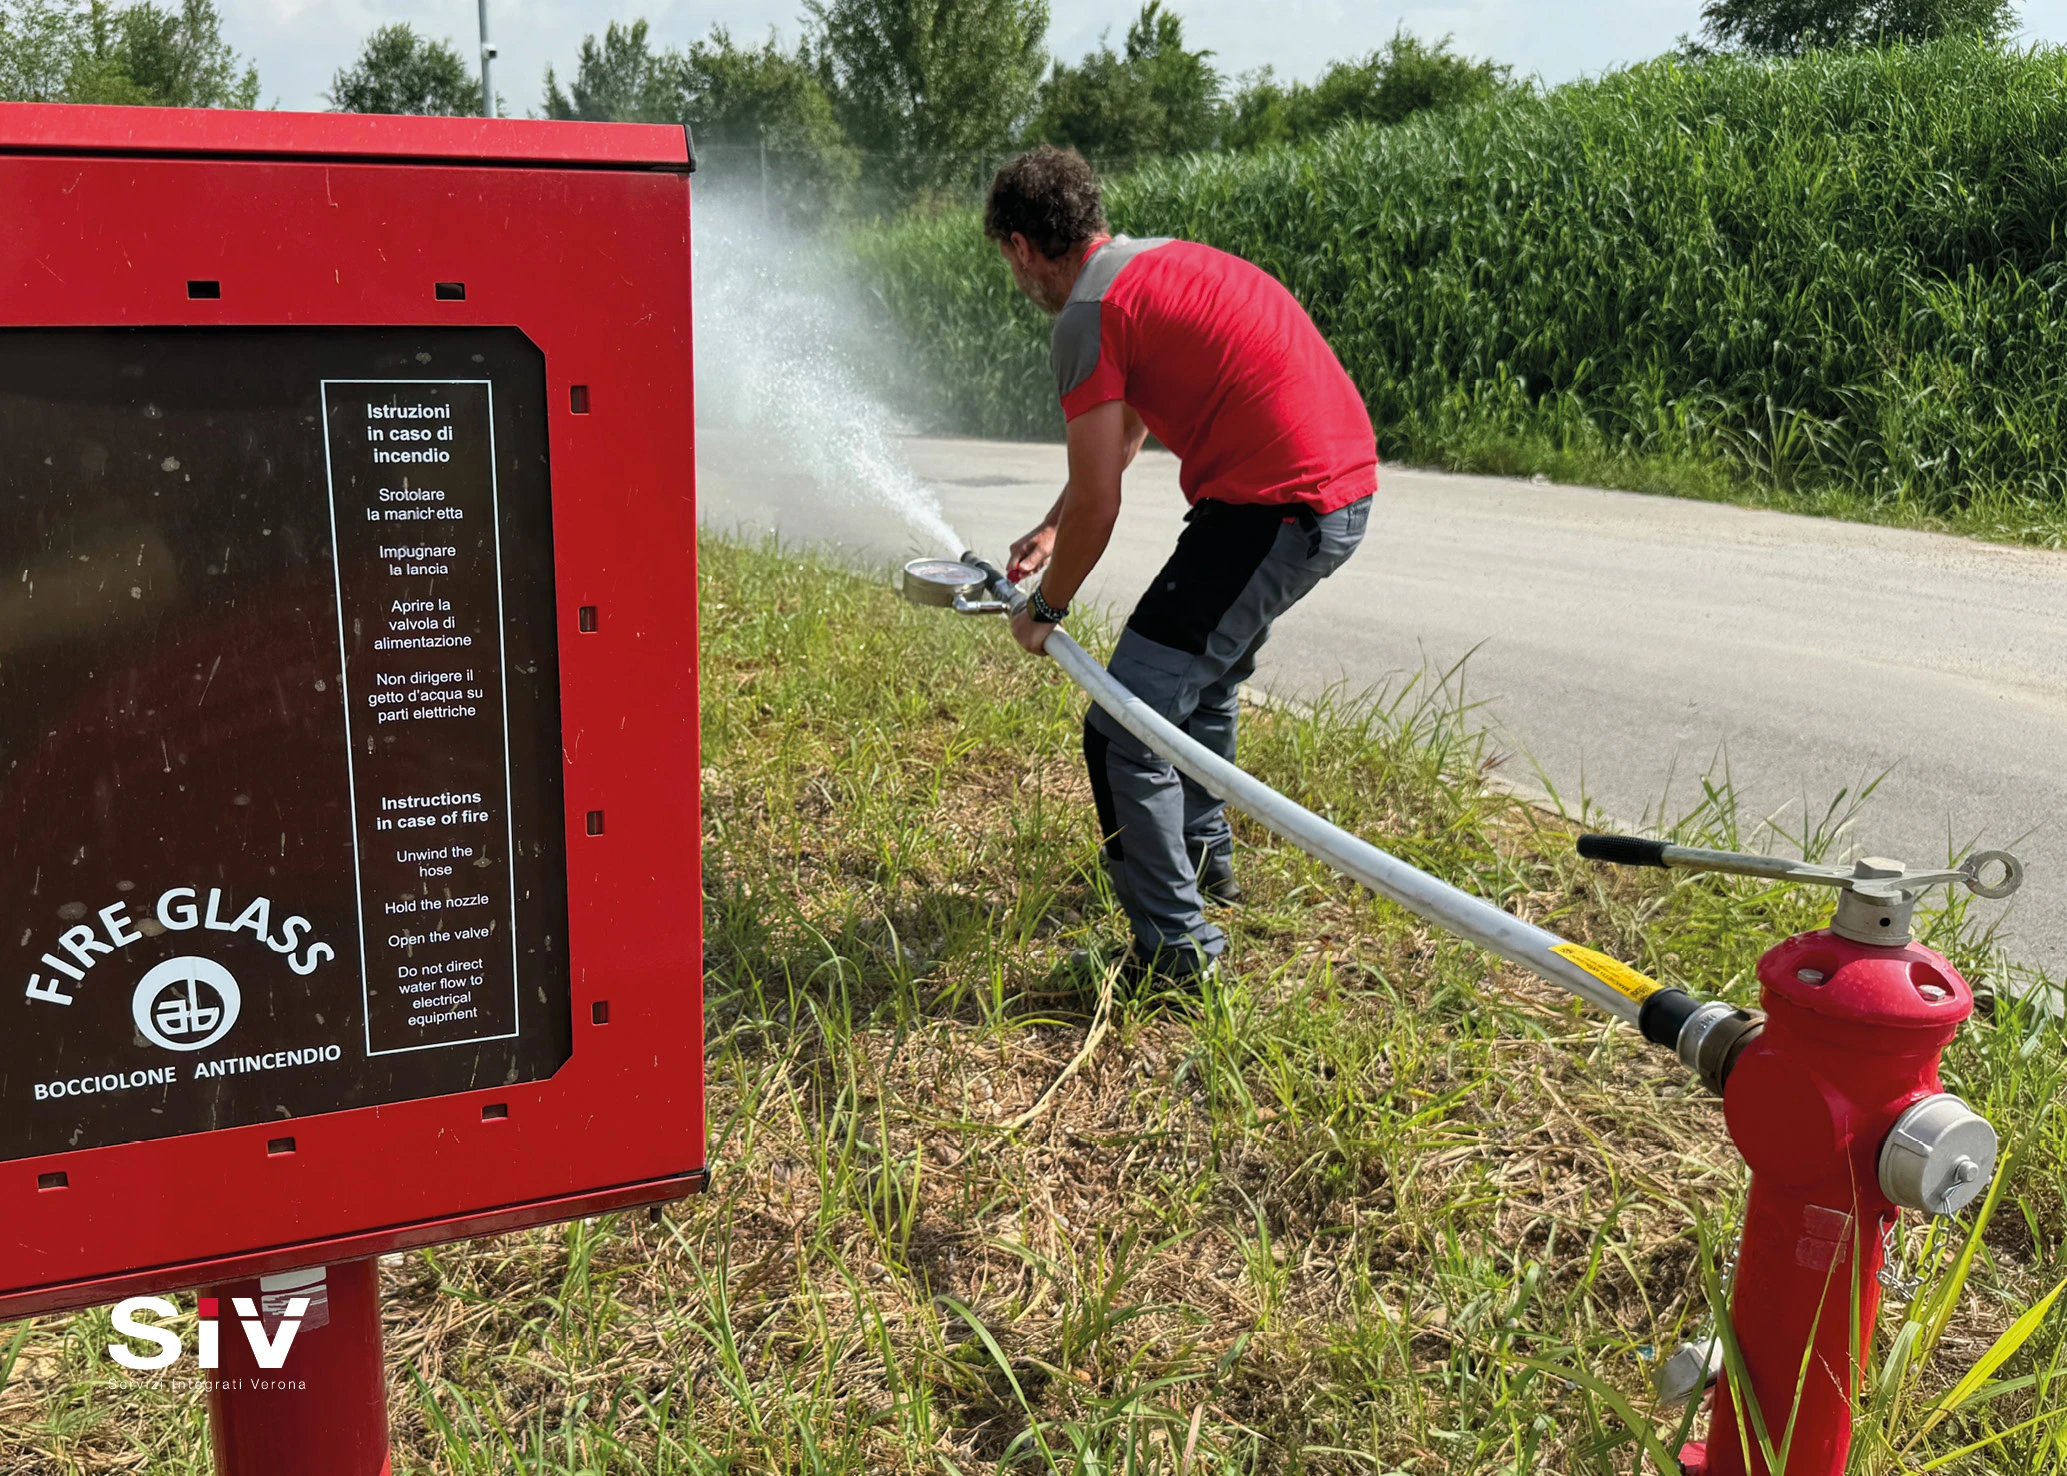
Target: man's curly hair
1048, 195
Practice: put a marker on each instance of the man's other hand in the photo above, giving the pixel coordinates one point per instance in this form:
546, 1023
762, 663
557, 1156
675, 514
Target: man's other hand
1029, 632
1030, 554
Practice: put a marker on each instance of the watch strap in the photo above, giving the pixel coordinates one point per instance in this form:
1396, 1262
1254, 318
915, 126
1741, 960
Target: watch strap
1044, 612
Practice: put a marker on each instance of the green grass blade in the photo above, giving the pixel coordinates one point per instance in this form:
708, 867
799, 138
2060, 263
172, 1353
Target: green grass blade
1613, 1398
1945, 1301
2005, 1348
1743, 1397
1936, 1462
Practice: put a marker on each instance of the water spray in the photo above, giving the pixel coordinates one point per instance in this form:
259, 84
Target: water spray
787, 354
1831, 1093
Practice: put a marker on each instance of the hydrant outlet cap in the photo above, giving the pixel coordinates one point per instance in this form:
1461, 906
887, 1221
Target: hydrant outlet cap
1939, 1157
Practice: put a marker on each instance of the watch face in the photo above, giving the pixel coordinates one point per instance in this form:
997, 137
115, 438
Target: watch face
280, 782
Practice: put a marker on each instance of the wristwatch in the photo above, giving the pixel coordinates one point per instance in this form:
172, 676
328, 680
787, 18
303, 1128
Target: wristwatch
1043, 612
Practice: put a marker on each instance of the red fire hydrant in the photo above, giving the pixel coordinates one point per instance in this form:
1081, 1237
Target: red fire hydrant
1836, 1105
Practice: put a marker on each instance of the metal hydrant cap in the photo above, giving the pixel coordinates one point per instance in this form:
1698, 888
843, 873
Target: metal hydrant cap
1939, 1157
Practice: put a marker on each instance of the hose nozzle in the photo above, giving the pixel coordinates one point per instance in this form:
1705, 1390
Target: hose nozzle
1000, 587
947, 585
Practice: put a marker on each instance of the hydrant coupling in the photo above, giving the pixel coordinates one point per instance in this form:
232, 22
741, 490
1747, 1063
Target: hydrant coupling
1839, 1111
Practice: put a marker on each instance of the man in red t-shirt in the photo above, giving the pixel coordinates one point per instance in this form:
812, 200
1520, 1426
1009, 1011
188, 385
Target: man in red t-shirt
1220, 363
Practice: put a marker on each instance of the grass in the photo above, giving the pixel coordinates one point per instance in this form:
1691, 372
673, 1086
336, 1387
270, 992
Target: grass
1372, 1205
1831, 284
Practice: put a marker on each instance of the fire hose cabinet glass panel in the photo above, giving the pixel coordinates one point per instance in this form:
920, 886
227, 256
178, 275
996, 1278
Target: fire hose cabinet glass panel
348, 811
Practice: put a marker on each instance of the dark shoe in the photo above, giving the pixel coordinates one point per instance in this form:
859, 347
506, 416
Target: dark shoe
1216, 879
1182, 967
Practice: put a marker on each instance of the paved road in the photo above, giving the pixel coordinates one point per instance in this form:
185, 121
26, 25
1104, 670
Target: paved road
1623, 646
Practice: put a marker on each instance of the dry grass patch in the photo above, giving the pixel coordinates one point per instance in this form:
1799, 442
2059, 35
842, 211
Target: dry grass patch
973, 1214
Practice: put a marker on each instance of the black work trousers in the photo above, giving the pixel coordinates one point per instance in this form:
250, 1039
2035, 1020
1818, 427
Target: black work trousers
1187, 649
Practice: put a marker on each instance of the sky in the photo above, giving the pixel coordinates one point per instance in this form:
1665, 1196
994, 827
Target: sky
298, 44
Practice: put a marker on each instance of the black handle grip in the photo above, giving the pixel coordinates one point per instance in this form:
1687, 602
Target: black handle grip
1000, 587
1622, 850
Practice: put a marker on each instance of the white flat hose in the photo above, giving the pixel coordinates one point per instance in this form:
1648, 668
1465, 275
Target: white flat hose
1469, 917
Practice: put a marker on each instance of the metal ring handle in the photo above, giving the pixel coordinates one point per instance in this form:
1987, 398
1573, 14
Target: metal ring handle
1977, 864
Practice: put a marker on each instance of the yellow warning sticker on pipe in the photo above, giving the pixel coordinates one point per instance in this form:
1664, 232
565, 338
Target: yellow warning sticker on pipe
1617, 975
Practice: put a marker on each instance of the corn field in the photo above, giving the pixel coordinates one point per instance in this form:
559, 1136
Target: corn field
1839, 278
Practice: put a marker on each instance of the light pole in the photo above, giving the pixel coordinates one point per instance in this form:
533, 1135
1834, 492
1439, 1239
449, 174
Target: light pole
487, 56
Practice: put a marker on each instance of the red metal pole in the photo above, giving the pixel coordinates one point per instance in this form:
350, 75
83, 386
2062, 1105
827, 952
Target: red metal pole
1852, 1040
323, 1411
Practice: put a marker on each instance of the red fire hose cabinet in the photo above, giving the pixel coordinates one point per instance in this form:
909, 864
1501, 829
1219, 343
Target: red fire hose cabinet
349, 883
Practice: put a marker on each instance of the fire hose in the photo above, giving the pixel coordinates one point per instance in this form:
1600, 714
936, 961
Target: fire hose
1598, 980
1706, 1034
1838, 1110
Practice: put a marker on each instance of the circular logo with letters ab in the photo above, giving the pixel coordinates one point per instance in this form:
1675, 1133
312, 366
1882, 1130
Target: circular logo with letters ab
186, 1004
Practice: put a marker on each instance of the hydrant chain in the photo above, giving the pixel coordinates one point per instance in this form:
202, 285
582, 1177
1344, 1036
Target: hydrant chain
1893, 1282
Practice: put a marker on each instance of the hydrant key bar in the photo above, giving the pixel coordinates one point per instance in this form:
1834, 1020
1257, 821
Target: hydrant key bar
1879, 896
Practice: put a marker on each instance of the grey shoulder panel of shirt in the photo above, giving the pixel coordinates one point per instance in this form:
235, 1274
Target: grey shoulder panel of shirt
1102, 269
1079, 329
1073, 355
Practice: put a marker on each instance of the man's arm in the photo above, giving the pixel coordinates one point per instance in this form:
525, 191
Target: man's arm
1102, 444
1137, 435
1031, 554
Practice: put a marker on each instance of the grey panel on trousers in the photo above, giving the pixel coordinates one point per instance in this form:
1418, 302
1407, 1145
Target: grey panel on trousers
1167, 824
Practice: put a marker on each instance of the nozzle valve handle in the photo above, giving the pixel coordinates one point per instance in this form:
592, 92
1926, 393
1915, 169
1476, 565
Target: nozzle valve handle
1879, 896
994, 579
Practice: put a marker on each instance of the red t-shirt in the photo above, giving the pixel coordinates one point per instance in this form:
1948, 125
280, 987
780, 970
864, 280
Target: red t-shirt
1224, 367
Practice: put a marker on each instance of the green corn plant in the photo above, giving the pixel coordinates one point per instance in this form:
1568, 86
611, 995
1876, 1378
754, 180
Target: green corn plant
1829, 283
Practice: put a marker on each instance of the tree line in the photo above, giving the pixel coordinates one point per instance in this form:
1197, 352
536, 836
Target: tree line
921, 97
880, 102
90, 51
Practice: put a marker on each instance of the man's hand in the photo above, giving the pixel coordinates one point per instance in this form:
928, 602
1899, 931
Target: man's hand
1030, 554
1029, 632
